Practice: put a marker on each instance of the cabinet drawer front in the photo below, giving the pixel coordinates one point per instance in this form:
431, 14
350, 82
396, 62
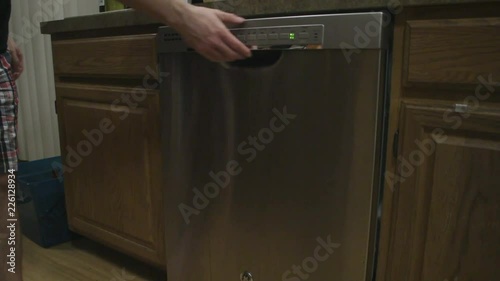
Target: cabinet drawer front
120, 56
452, 51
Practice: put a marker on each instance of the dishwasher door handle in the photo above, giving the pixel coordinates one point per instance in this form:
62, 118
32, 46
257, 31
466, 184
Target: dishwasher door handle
259, 59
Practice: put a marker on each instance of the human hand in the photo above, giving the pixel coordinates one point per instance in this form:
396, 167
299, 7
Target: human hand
17, 59
204, 30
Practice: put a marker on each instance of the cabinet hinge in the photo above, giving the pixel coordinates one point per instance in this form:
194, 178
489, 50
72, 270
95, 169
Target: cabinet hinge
395, 145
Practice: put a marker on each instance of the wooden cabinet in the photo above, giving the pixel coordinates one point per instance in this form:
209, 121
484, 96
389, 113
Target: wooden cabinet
109, 123
452, 51
445, 223
441, 206
110, 139
125, 56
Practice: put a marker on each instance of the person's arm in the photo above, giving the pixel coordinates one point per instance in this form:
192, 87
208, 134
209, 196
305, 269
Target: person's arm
17, 59
203, 29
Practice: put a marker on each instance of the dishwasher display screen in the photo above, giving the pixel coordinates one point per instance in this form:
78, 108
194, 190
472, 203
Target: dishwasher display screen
281, 35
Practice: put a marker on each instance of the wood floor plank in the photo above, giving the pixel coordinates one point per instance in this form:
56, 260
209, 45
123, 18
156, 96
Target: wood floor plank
83, 260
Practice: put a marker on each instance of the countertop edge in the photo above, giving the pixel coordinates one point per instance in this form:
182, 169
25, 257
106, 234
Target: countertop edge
260, 8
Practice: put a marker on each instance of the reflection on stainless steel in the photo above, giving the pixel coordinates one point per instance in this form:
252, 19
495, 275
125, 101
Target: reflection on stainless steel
246, 276
318, 176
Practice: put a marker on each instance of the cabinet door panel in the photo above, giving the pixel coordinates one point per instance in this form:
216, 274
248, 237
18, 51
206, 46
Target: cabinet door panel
446, 217
111, 153
464, 211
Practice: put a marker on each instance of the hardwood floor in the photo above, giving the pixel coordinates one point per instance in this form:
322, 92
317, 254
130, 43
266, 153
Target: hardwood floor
83, 260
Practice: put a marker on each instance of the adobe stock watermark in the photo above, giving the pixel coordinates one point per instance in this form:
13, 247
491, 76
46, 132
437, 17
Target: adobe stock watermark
427, 147
30, 27
121, 275
124, 105
248, 149
309, 265
370, 31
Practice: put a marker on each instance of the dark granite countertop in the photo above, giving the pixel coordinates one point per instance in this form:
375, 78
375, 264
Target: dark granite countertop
245, 8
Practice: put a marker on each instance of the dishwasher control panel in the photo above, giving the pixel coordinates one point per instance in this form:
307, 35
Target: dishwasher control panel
281, 35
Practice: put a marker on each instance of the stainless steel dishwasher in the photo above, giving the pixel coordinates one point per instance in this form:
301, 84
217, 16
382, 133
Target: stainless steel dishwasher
273, 164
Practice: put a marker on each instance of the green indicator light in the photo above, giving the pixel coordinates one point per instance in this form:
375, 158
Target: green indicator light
292, 36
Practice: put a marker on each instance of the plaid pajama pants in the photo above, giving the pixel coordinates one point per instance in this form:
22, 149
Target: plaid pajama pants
8, 116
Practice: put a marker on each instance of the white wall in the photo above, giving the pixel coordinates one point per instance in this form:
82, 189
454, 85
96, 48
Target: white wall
38, 131
81, 7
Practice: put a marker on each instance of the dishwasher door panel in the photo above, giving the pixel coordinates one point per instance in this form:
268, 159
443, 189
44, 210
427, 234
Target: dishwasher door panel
300, 136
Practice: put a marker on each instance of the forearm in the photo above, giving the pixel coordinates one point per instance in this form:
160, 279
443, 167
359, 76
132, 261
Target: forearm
10, 43
167, 11
201, 28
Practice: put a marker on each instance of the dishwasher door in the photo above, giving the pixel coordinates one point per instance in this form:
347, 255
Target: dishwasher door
272, 165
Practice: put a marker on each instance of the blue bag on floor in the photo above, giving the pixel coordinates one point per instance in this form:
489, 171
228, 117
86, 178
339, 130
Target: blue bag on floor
41, 202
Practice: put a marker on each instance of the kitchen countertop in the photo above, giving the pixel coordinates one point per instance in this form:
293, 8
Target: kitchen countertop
245, 8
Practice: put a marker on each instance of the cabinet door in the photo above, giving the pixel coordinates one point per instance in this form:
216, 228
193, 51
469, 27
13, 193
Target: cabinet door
445, 223
111, 151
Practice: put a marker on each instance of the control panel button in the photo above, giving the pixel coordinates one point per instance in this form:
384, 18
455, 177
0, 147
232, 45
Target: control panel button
262, 36
251, 37
273, 36
284, 35
241, 37
303, 35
